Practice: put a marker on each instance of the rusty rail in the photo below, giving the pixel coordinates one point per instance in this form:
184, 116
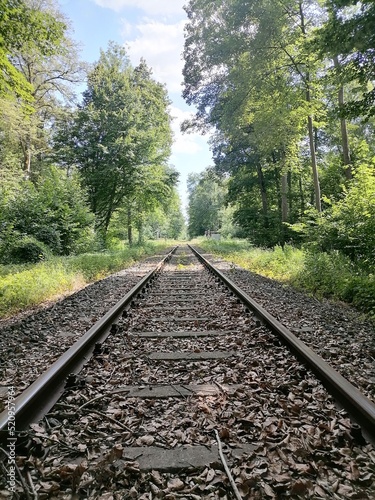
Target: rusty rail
32, 404
359, 407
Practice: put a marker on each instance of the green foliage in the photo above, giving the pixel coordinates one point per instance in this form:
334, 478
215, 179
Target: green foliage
348, 225
22, 287
120, 137
334, 275
348, 34
175, 224
206, 199
228, 228
360, 291
248, 73
33, 286
323, 274
22, 24
27, 249
54, 212
276, 263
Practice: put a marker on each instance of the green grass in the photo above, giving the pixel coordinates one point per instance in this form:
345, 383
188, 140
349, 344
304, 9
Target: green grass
276, 263
320, 274
25, 286
330, 275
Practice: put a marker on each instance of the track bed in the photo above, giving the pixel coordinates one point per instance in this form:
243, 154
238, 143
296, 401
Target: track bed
187, 384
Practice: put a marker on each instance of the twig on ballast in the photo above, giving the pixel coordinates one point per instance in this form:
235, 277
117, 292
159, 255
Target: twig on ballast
226, 468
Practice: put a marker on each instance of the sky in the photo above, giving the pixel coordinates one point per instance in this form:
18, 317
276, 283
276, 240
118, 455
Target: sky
154, 30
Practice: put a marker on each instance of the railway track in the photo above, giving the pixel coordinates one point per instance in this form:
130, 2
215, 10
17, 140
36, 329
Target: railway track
189, 393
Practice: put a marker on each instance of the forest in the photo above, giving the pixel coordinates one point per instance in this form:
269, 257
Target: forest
284, 89
76, 175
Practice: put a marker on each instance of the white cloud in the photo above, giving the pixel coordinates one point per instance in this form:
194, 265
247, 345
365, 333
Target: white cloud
189, 144
150, 7
161, 45
127, 29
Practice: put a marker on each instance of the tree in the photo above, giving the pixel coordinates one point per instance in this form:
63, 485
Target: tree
240, 55
348, 225
21, 24
51, 77
348, 36
206, 199
120, 137
251, 78
165, 221
156, 189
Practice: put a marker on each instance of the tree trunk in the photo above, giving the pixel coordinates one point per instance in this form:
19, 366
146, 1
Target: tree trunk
130, 228
310, 127
110, 209
314, 166
284, 198
263, 193
26, 158
344, 129
140, 233
301, 196
290, 194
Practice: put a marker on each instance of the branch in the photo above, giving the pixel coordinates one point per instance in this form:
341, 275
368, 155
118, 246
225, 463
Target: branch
295, 64
227, 470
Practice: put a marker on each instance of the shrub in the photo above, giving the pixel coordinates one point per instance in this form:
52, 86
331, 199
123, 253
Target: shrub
361, 292
325, 274
348, 224
28, 249
54, 212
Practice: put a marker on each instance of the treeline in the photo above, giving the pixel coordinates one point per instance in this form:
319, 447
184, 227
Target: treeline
78, 175
286, 89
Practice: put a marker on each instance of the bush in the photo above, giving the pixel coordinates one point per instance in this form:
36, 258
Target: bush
348, 225
323, 274
53, 211
26, 250
361, 292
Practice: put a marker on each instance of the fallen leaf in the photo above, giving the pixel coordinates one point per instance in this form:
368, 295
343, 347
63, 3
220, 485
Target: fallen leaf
176, 484
210, 475
145, 440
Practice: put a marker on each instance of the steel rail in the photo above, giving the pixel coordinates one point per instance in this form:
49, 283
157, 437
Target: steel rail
359, 407
33, 403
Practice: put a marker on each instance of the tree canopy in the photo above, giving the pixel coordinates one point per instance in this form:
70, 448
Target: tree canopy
69, 167
286, 91
22, 24
120, 137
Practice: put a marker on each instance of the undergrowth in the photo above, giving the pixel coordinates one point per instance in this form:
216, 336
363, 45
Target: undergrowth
29, 285
330, 275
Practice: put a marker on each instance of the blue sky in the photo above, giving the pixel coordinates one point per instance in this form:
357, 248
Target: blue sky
154, 30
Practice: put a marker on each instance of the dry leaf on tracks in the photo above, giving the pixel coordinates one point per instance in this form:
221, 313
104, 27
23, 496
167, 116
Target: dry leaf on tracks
176, 484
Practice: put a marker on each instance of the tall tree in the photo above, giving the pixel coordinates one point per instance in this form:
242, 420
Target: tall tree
51, 78
349, 34
206, 199
264, 42
120, 136
347, 38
